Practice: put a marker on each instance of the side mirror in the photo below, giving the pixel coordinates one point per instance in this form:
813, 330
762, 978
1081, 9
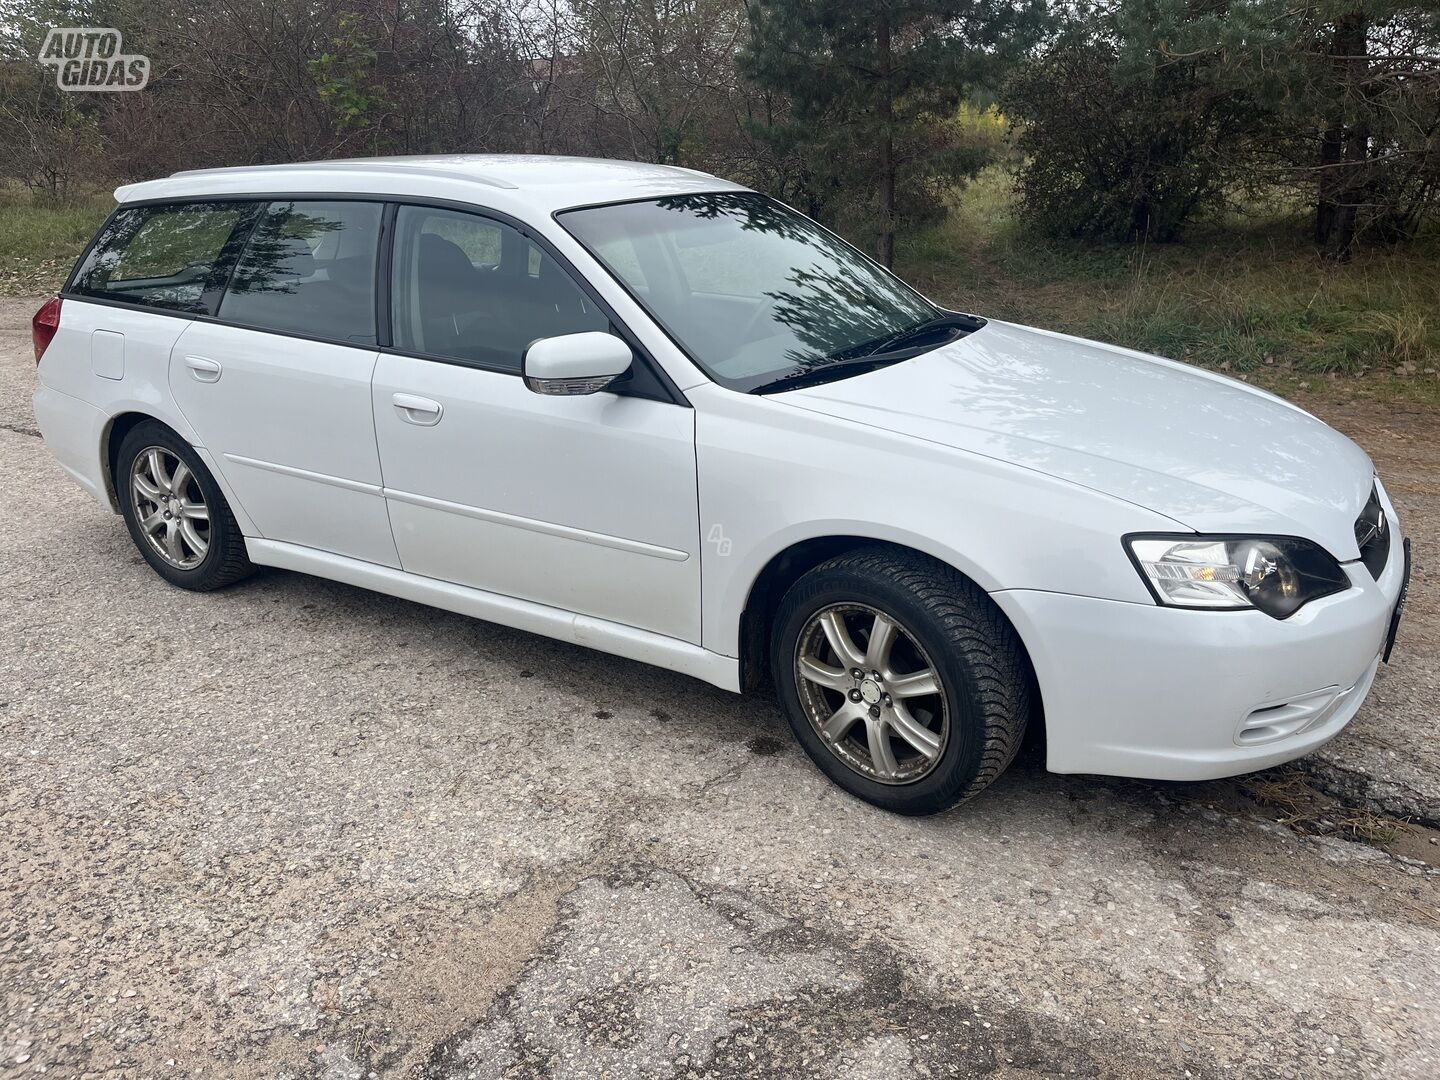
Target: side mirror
575, 363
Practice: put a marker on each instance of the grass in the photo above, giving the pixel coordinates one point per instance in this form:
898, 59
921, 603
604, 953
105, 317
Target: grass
1245, 295
1300, 807
39, 241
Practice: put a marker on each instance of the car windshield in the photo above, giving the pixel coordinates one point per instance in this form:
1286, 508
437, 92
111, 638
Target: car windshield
753, 291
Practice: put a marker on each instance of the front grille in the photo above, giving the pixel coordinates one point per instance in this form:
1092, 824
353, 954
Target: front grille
1372, 533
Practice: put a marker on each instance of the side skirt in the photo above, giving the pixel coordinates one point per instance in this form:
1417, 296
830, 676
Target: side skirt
586, 630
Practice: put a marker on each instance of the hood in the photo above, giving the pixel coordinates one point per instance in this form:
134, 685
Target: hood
1213, 454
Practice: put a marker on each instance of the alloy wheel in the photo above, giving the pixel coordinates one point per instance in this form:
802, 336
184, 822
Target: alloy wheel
871, 693
170, 507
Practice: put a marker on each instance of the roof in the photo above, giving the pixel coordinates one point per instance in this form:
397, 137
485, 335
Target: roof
513, 182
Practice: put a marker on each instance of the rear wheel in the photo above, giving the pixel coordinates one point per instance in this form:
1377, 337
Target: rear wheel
901, 679
175, 512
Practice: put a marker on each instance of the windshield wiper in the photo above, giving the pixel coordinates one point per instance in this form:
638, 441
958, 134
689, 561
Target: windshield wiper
835, 369
949, 320
888, 350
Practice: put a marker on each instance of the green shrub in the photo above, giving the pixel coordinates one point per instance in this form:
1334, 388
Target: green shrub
1121, 139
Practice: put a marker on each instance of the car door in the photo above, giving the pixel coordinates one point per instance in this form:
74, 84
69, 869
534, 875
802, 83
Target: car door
587, 504
278, 385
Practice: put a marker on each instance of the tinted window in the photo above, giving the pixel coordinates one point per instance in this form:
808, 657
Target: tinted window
469, 288
160, 255
751, 289
309, 268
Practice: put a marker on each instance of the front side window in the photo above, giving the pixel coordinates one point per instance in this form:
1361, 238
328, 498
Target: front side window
750, 289
475, 290
161, 256
309, 268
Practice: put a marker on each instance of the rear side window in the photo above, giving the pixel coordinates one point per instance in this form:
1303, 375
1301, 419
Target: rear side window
164, 256
309, 268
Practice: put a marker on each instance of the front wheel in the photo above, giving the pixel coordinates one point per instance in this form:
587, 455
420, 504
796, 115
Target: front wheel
901, 679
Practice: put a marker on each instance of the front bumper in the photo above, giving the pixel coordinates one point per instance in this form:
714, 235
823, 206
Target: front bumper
1169, 694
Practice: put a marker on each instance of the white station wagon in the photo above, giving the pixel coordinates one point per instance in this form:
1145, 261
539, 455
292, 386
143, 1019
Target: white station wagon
660, 415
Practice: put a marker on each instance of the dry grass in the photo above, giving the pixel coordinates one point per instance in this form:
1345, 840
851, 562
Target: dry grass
1302, 808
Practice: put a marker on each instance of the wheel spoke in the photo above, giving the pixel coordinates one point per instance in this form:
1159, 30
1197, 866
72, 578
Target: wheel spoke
146, 488
191, 537
839, 638
195, 511
882, 757
173, 547
179, 479
840, 723
153, 522
913, 731
157, 469
916, 684
882, 639
824, 675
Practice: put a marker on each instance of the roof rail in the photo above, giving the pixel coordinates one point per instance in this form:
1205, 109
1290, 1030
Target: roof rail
355, 166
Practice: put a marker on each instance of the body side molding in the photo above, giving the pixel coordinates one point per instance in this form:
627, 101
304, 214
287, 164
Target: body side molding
593, 633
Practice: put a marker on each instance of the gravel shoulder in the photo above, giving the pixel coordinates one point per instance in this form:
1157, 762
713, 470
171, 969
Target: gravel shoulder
295, 829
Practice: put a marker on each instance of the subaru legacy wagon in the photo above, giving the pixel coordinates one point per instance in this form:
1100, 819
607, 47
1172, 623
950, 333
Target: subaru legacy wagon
657, 414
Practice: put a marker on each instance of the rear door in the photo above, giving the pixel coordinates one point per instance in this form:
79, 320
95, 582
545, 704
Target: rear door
587, 504
278, 385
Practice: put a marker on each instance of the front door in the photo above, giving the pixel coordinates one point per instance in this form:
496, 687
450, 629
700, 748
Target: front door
587, 504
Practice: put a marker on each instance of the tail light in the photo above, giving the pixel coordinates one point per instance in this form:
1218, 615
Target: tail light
44, 325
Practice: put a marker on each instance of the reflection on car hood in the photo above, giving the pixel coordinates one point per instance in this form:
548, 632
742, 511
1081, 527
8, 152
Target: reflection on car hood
1205, 450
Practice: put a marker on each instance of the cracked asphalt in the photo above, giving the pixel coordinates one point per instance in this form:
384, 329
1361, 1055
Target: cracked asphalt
294, 829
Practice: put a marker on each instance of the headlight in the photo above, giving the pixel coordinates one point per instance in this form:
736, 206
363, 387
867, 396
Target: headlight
1274, 574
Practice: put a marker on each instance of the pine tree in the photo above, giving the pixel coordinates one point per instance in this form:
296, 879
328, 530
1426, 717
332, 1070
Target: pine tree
1130, 123
869, 84
1344, 96
1363, 104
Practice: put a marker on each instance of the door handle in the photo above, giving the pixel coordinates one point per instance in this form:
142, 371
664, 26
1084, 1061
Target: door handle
202, 369
418, 410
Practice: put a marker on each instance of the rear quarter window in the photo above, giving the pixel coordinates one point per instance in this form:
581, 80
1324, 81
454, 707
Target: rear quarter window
161, 256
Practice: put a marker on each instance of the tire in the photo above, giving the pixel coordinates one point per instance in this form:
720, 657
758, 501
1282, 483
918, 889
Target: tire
223, 559
943, 623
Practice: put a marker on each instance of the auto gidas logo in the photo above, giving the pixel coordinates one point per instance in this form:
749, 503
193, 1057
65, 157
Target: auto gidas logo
92, 58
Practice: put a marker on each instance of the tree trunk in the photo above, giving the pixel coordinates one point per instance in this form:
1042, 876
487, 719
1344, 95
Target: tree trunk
1331, 145
886, 248
1341, 241
1345, 149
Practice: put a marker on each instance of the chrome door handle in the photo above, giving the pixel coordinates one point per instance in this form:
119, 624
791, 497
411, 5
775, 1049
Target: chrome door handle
202, 369
418, 410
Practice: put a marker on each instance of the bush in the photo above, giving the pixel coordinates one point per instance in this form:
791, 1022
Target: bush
49, 141
1125, 143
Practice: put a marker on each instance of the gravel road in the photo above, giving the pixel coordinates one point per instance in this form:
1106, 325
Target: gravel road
294, 829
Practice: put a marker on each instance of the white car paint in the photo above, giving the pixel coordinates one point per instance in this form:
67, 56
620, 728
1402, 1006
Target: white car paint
512, 485
578, 356
291, 428
1205, 451
1018, 456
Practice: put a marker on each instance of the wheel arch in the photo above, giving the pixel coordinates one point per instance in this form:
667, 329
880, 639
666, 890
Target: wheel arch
111, 436
113, 433
789, 565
